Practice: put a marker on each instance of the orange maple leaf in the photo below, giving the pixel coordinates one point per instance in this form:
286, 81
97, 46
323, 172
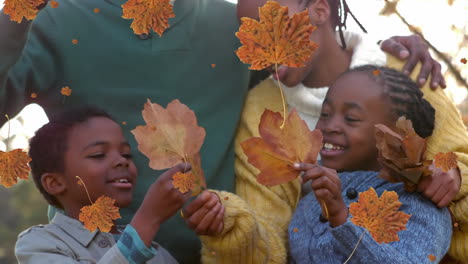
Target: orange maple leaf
96, 10
183, 181
53, 4
19, 9
148, 14
171, 136
431, 257
379, 216
33, 95
13, 165
463, 60
276, 151
401, 153
276, 38
376, 72
445, 161
100, 214
66, 91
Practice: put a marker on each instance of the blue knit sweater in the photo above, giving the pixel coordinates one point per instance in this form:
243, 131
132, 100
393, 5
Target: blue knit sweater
429, 229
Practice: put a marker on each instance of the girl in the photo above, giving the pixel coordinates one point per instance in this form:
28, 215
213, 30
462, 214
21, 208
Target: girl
356, 102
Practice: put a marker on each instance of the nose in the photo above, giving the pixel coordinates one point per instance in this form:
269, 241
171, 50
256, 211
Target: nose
332, 125
121, 161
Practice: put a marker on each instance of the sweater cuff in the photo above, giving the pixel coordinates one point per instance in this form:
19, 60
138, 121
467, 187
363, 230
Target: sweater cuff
133, 248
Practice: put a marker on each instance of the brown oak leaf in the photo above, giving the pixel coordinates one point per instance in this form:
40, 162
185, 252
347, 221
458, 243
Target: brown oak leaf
100, 215
379, 216
401, 153
19, 9
13, 166
276, 151
183, 181
276, 38
445, 161
148, 14
171, 136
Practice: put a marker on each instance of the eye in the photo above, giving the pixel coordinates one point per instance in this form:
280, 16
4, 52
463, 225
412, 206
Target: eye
97, 156
324, 114
127, 155
352, 119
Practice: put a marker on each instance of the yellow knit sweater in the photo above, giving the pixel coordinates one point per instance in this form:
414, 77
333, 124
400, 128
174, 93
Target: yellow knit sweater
256, 219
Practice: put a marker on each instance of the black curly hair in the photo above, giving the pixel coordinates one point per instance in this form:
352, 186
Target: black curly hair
404, 95
339, 11
49, 144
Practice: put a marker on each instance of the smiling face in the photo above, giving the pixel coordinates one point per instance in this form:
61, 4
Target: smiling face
98, 153
353, 105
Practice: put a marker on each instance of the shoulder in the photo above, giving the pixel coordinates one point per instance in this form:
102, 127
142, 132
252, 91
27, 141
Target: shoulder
40, 238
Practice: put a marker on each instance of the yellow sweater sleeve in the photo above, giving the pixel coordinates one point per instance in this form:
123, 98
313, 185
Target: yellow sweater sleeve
257, 218
449, 134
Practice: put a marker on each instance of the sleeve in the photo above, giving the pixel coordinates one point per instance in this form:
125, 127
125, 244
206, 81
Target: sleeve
257, 218
27, 62
449, 134
428, 232
33, 247
133, 248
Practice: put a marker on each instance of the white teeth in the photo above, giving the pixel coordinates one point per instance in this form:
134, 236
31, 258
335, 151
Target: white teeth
330, 146
122, 180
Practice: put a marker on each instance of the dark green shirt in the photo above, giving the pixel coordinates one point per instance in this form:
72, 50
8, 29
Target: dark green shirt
117, 70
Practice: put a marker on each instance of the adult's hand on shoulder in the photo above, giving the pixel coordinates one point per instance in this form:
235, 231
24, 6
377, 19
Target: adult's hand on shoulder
413, 49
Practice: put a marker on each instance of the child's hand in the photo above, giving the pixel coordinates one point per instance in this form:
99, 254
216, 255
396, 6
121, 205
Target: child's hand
441, 187
327, 188
161, 202
205, 215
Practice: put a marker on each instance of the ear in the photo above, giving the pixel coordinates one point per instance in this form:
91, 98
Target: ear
320, 12
53, 183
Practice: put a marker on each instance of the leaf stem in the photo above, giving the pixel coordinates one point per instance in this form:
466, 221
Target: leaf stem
8, 138
352, 253
282, 96
325, 208
84, 185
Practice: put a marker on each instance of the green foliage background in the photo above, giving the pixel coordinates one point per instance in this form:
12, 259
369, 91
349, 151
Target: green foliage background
21, 207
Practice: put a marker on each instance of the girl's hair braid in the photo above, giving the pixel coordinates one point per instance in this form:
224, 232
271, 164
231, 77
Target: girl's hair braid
405, 96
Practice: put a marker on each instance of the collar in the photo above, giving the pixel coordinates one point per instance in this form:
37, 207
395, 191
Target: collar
74, 228
309, 101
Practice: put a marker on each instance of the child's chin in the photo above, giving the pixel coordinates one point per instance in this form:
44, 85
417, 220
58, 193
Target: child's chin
122, 203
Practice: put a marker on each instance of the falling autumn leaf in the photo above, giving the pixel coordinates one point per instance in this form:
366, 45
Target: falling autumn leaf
53, 4
66, 91
376, 72
124, 123
183, 181
74, 41
148, 14
19, 9
171, 136
401, 153
276, 38
213, 65
463, 60
276, 151
100, 214
295, 230
379, 216
13, 166
431, 257
33, 95
96, 10
445, 161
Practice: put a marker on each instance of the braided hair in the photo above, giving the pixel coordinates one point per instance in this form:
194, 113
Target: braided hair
48, 146
339, 11
405, 96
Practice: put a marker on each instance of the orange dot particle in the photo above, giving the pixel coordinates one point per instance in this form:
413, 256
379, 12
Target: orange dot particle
213, 253
213, 65
96, 10
455, 224
295, 230
53, 4
74, 41
226, 198
34, 95
376, 72
463, 60
66, 91
431, 257
124, 123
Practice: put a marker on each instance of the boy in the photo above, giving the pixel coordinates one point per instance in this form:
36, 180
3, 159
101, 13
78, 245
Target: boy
86, 142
